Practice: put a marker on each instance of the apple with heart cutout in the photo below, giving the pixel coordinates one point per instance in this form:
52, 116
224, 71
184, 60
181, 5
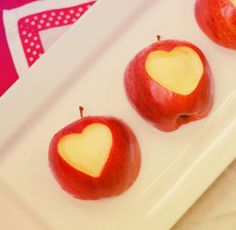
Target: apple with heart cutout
95, 157
217, 19
169, 83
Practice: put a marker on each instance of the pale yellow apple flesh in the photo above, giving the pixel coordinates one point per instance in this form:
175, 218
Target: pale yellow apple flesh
88, 151
233, 2
178, 70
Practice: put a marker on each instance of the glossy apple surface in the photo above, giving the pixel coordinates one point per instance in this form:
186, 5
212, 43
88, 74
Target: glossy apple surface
218, 20
95, 157
169, 84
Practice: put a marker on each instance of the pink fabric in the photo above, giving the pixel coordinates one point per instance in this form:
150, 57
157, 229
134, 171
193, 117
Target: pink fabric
8, 73
30, 26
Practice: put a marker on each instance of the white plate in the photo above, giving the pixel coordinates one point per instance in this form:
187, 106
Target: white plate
86, 68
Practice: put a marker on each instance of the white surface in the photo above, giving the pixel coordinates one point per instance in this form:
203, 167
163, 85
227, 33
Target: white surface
14, 214
216, 209
176, 167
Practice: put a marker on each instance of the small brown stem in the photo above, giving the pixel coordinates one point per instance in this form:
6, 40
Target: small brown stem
81, 110
158, 38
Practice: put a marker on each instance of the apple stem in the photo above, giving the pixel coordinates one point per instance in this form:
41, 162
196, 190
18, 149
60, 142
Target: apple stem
158, 37
81, 110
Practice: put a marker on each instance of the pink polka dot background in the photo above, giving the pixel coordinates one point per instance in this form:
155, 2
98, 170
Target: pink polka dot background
30, 26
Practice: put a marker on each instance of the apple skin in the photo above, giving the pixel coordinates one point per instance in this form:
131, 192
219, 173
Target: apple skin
164, 109
217, 19
118, 173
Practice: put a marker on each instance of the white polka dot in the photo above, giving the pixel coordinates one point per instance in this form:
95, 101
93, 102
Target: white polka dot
72, 11
68, 16
59, 17
26, 20
77, 15
32, 44
26, 40
48, 24
53, 13
41, 21
28, 50
44, 15
29, 35
37, 46
39, 26
61, 13
21, 26
34, 53
74, 20
65, 21
32, 23
35, 17
35, 38
31, 59
24, 32
50, 19
56, 22
80, 9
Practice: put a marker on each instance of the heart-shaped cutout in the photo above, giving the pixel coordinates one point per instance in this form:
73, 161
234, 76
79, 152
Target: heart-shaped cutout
233, 2
178, 70
88, 151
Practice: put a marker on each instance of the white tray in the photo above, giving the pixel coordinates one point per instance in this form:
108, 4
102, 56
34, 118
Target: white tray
86, 68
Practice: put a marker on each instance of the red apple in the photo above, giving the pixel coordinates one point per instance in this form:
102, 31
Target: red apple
95, 157
218, 20
169, 84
